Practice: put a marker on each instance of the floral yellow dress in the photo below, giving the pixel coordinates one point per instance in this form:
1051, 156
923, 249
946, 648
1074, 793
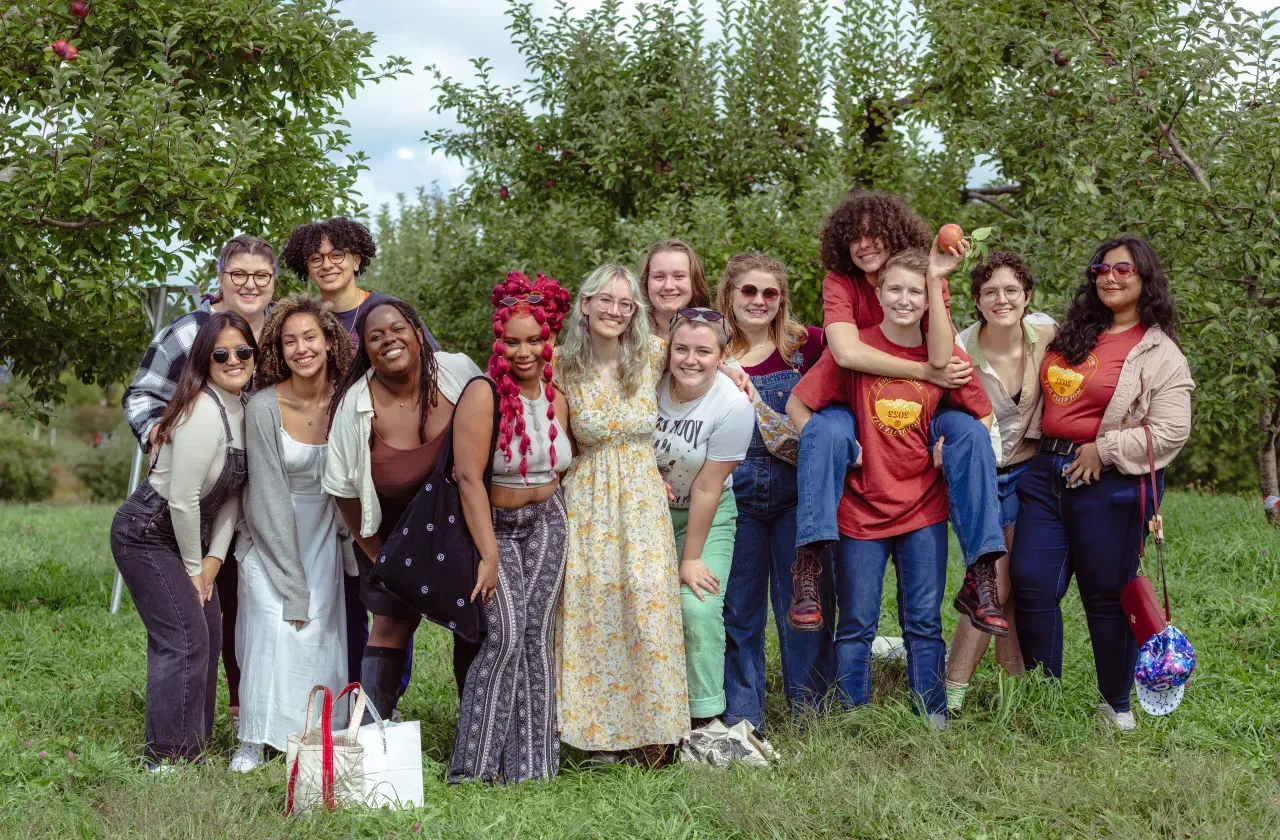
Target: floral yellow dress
620, 639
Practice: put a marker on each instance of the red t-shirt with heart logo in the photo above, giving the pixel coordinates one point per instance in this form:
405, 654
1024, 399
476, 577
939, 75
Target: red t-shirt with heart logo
897, 489
1076, 396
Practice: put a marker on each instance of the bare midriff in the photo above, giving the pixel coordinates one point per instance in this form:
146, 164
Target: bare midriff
512, 498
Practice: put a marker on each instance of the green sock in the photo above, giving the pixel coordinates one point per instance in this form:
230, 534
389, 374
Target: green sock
955, 695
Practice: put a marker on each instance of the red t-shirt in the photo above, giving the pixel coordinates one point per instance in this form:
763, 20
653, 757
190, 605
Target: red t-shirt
1076, 396
805, 357
897, 490
848, 300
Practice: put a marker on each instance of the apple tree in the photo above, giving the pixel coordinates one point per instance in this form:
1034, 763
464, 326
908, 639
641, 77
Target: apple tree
136, 136
1159, 118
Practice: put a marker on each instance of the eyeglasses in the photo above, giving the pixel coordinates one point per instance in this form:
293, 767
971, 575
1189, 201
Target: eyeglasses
240, 277
532, 297
750, 290
1011, 293
222, 355
626, 307
706, 316
336, 256
1121, 271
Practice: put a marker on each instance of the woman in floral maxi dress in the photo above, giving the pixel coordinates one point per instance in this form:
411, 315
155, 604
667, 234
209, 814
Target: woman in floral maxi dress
620, 639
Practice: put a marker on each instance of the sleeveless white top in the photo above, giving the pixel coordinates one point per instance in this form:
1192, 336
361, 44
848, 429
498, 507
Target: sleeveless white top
538, 466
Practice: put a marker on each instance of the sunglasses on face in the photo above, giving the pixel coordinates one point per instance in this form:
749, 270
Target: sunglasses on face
706, 316
750, 290
532, 297
336, 256
222, 355
1121, 271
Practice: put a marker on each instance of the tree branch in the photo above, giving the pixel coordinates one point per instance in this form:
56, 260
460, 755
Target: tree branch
1193, 168
1002, 190
967, 195
82, 224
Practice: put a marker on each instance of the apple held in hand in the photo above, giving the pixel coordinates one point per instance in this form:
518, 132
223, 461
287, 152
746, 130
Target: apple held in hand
949, 238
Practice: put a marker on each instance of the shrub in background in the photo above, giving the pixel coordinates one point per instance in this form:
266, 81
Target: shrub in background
105, 470
26, 466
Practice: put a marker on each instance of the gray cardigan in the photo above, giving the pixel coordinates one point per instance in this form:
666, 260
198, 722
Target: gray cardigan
267, 509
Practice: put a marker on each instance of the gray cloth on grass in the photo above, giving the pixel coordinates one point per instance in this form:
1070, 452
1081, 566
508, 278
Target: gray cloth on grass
267, 509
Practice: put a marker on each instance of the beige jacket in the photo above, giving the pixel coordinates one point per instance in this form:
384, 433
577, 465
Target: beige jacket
1154, 390
1012, 421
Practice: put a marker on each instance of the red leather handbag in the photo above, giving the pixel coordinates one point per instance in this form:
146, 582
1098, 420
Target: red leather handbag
1146, 615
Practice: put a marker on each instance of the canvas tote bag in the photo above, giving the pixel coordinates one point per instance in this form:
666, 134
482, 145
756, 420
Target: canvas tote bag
324, 769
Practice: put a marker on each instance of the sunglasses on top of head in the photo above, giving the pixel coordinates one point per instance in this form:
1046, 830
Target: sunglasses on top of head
750, 290
693, 313
222, 355
532, 297
1120, 271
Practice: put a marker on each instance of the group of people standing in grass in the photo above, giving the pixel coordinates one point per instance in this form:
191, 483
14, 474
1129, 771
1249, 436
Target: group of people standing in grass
643, 477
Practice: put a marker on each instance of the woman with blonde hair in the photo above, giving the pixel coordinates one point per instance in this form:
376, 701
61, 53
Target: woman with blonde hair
671, 278
776, 350
621, 648
292, 547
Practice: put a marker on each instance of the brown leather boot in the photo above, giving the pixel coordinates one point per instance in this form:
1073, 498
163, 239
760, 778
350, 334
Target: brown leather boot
805, 614
979, 599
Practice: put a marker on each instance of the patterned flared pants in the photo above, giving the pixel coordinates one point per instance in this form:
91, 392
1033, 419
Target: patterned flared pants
507, 726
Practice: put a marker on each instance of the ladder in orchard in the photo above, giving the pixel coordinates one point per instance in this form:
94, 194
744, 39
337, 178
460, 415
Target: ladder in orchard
154, 304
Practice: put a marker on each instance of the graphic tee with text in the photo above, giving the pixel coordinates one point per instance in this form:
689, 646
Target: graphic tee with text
717, 427
1076, 396
897, 489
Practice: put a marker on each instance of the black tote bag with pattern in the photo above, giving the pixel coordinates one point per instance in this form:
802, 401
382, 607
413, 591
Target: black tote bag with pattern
430, 560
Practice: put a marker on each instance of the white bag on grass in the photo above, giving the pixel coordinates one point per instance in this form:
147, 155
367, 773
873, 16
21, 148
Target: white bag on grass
392, 763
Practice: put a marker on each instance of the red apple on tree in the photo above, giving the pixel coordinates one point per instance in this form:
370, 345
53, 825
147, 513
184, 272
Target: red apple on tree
80, 9
504, 193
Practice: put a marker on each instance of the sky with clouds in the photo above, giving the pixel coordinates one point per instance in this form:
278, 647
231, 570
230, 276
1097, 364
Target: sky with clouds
388, 120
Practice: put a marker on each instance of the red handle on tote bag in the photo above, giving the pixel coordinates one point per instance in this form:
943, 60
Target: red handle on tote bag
326, 748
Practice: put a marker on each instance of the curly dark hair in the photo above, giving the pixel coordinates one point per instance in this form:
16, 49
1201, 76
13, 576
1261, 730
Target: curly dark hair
272, 368
1087, 316
983, 271
428, 382
343, 234
879, 214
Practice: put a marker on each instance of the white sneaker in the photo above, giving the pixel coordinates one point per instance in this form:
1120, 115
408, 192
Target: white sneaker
763, 746
161, 769
1122, 721
888, 648
247, 758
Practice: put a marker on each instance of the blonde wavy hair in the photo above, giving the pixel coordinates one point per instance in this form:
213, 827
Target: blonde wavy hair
788, 334
573, 356
272, 368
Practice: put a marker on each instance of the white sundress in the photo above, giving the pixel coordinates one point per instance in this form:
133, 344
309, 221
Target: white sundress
280, 664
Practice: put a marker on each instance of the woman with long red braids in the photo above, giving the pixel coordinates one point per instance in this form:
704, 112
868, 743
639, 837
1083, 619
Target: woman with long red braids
515, 511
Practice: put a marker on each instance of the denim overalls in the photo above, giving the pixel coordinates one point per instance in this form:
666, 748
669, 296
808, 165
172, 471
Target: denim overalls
764, 549
183, 636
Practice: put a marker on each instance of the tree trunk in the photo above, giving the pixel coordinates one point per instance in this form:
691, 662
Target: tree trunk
1268, 481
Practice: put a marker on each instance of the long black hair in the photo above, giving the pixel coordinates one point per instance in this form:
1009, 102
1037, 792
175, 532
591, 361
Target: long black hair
428, 387
195, 373
1088, 317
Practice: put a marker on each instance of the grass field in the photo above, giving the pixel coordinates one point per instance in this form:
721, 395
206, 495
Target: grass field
1024, 761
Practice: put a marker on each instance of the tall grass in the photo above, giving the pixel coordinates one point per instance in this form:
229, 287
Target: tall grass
1025, 760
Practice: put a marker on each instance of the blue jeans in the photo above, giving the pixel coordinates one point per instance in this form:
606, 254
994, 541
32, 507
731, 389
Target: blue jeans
763, 552
1007, 487
920, 558
829, 448
1092, 532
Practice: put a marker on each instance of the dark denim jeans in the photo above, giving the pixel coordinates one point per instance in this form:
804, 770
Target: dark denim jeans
763, 552
1092, 532
183, 636
920, 558
829, 448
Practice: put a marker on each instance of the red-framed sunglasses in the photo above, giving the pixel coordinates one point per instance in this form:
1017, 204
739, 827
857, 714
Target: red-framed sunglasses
1121, 271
